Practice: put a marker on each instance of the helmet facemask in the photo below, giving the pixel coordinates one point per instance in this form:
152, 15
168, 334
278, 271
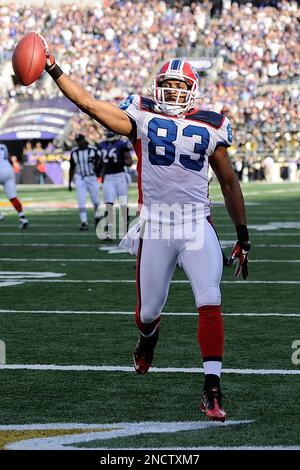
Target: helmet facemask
173, 103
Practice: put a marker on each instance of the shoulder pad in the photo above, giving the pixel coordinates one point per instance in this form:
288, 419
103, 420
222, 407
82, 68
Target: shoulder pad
147, 104
209, 117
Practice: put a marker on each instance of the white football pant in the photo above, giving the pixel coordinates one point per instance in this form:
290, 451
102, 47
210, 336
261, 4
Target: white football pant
8, 180
83, 185
115, 186
157, 263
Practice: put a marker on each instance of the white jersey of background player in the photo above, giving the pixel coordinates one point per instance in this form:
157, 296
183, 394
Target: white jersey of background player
174, 142
8, 180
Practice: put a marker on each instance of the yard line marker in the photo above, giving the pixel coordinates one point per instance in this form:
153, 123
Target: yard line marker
267, 233
125, 260
23, 274
64, 245
47, 234
180, 370
224, 243
254, 233
132, 281
270, 260
120, 312
74, 260
65, 441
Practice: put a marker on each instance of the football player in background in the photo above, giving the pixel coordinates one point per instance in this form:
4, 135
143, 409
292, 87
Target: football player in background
8, 180
115, 156
175, 142
84, 162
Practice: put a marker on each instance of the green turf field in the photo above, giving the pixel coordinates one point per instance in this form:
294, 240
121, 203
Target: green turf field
66, 318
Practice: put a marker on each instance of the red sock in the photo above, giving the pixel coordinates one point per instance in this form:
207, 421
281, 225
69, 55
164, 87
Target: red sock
16, 203
211, 332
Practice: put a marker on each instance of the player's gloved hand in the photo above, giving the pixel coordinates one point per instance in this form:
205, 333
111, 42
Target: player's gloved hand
240, 252
50, 59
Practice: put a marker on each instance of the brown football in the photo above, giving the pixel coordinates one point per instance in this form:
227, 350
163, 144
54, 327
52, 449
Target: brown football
29, 59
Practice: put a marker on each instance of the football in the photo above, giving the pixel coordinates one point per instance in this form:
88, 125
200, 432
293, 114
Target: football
29, 59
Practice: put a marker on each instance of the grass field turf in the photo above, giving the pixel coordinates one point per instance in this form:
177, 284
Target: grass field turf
252, 342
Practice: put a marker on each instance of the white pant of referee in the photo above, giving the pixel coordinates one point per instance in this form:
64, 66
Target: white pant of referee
83, 185
115, 186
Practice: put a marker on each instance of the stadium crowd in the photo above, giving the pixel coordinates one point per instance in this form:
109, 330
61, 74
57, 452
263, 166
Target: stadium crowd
114, 47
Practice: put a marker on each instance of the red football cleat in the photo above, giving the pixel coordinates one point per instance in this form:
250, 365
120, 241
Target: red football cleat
144, 352
212, 405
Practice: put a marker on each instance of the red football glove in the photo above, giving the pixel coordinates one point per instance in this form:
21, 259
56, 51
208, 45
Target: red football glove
240, 253
50, 59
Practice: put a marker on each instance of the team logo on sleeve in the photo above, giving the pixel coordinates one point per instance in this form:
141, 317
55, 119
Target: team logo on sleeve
126, 103
229, 133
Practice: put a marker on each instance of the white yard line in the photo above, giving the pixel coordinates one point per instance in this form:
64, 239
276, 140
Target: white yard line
131, 281
123, 260
92, 245
92, 233
120, 312
267, 233
47, 234
180, 370
75, 260
262, 260
64, 245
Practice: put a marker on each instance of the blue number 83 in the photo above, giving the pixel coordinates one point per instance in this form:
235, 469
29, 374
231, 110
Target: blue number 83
162, 133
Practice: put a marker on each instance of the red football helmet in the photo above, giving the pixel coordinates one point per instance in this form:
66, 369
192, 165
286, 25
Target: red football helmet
176, 69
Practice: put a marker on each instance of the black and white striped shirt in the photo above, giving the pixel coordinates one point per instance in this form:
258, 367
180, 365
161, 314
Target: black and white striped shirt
85, 160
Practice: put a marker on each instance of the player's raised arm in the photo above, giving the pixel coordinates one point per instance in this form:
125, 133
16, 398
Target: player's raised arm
107, 114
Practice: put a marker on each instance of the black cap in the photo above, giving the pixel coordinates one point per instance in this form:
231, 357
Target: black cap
79, 138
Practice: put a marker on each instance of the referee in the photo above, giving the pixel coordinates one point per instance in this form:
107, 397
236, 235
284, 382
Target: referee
84, 168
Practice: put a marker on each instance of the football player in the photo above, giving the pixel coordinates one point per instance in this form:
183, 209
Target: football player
175, 142
84, 162
115, 156
8, 180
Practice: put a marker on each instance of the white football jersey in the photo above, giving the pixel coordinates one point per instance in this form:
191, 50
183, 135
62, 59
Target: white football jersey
173, 152
5, 166
3, 153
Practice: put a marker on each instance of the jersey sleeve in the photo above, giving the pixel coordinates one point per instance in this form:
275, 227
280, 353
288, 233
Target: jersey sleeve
224, 134
131, 106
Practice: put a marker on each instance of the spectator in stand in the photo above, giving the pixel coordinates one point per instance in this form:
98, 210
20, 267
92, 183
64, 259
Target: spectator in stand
255, 46
8, 181
41, 170
16, 167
